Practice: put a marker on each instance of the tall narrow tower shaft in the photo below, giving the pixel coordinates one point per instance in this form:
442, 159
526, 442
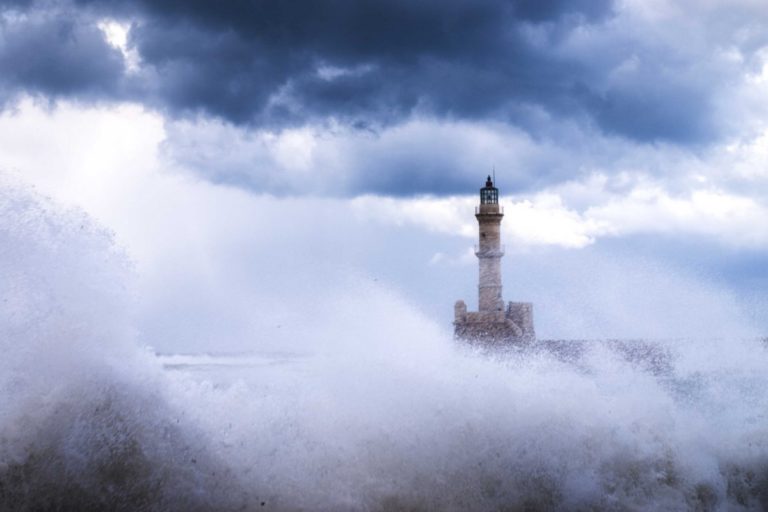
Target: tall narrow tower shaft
489, 249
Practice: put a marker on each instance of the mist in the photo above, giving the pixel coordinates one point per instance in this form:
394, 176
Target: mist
358, 399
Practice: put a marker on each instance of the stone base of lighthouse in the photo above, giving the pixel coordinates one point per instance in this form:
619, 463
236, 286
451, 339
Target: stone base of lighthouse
512, 326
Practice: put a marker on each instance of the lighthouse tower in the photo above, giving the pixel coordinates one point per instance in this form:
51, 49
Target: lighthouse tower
492, 323
489, 250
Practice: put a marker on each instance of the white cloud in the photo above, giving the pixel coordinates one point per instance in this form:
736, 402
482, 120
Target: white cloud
218, 260
642, 207
116, 34
106, 158
542, 220
545, 220
87, 157
451, 215
729, 218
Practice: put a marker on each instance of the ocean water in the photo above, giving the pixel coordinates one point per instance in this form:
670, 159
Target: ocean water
379, 410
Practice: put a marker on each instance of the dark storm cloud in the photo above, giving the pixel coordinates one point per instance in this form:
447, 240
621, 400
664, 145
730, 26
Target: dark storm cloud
538, 10
365, 63
374, 64
57, 56
659, 109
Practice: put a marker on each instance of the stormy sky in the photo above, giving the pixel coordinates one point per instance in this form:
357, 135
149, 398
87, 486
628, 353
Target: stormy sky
250, 153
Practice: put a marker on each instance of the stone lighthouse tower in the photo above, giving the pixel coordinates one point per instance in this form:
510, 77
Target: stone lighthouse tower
489, 250
492, 323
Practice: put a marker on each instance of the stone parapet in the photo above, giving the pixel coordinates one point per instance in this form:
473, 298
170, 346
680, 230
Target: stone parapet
511, 326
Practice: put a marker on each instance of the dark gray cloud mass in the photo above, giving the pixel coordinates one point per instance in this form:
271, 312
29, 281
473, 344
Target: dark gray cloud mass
574, 78
365, 63
58, 56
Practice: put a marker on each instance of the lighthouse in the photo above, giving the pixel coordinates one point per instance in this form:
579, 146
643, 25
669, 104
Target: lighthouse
489, 249
494, 322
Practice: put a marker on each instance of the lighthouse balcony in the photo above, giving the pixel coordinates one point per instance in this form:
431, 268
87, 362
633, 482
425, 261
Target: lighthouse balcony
489, 209
489, 252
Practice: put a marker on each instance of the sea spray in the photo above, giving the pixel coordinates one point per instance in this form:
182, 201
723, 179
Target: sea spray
469, 433
84, 424
381, 410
